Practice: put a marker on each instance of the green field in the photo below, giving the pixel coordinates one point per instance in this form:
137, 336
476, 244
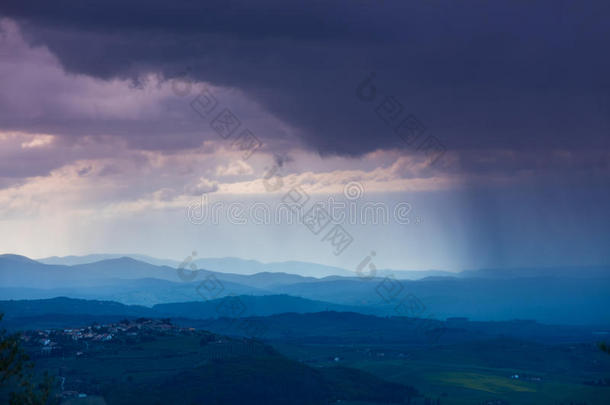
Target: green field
182, 369
159, 365
467, 374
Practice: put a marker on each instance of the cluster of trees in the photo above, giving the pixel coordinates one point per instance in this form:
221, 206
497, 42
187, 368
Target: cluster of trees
18, 384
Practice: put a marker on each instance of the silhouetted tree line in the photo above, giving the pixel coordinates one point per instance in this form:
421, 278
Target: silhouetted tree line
16, 374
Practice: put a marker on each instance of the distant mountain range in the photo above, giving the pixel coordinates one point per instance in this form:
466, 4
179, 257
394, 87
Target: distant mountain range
306, 269
334, 327
222, 265
246, 306
288, 318
570, 295
92, 258
245, 267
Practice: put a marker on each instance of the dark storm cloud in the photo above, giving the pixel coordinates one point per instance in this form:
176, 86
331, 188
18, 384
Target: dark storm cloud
484, 74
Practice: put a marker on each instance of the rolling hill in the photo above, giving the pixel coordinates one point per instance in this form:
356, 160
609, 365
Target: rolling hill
563, 295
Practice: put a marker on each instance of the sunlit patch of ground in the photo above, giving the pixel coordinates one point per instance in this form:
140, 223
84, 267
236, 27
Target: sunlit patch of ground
482, 382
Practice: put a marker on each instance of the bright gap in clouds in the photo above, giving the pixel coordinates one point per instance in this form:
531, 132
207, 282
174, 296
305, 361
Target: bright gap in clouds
90, 165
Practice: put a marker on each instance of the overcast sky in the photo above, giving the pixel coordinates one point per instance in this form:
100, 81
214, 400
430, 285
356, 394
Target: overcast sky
483, 125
